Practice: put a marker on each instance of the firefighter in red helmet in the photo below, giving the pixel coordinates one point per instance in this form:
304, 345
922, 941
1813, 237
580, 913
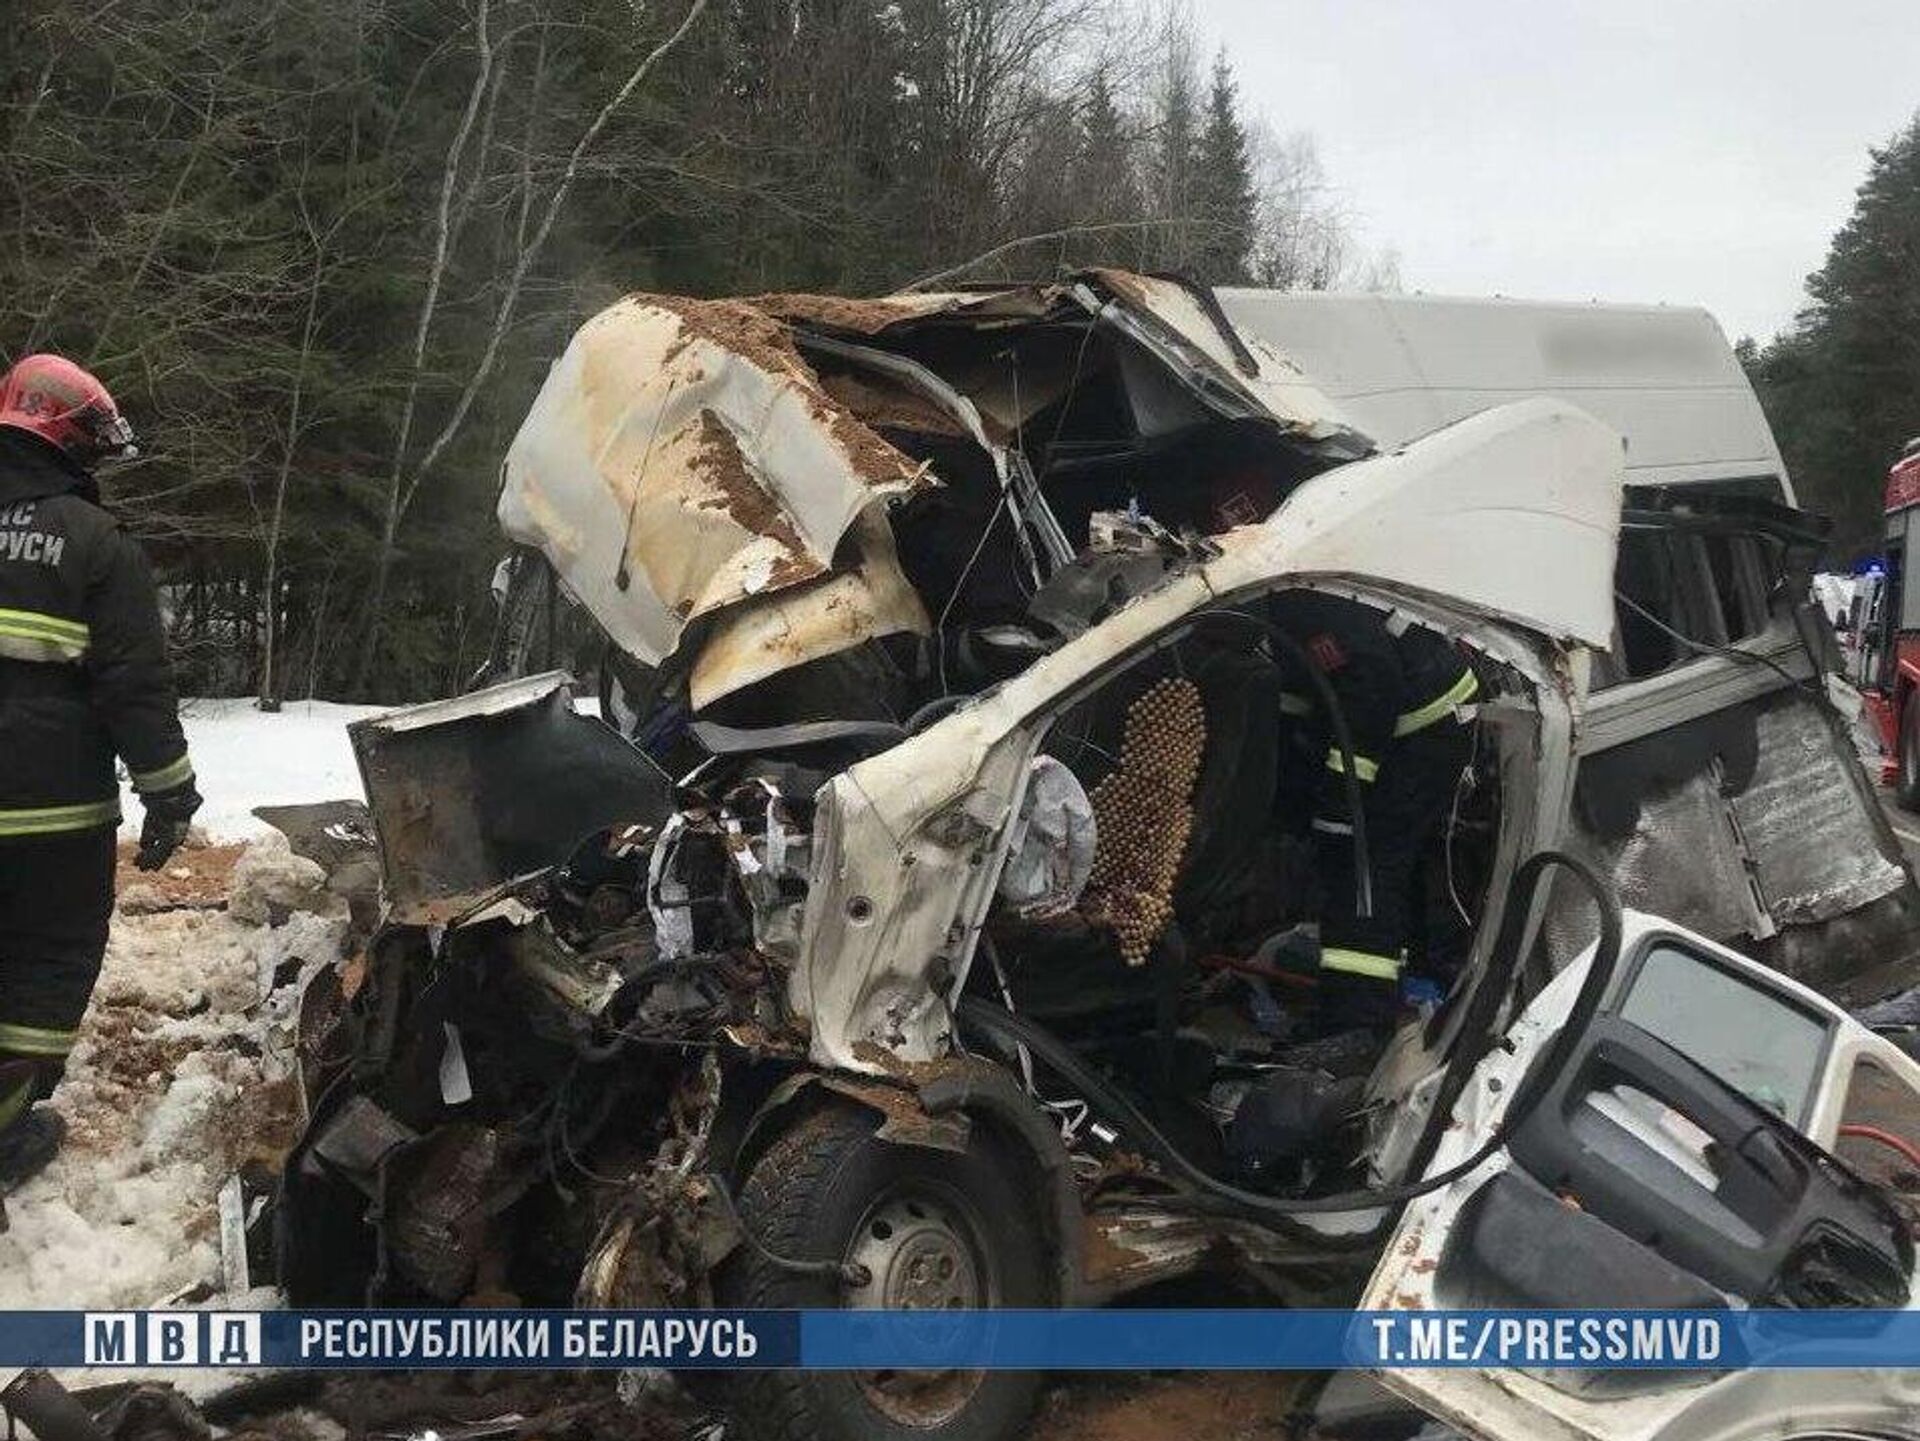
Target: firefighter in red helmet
83, 678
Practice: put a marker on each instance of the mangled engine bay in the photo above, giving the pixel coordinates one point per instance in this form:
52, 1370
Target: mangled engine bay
806, 529
898, 736
592, 982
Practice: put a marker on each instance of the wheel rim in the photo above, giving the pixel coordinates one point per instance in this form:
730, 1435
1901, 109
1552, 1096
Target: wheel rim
920, 1250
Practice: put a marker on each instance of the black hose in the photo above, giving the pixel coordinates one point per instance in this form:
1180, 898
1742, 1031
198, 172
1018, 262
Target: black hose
1502, 974
1014, 1030
1342, 739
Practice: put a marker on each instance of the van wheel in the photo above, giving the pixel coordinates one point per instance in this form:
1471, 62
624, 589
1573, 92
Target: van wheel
931, 1229
1907, 788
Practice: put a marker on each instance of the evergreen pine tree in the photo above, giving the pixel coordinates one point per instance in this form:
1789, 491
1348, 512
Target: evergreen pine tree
1224, 198
1843, 388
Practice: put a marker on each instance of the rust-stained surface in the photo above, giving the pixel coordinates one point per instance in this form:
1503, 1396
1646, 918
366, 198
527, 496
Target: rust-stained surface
798, 623
686, 468
683, 459
903, 1120
859, 316
887, 405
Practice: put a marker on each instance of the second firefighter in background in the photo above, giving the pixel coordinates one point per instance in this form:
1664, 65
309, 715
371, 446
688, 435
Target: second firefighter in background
1407, 696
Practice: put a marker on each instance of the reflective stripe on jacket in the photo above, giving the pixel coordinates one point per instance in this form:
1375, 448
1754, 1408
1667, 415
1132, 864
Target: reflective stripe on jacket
83, 660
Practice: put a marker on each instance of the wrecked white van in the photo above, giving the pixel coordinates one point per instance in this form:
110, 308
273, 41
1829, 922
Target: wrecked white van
802, 976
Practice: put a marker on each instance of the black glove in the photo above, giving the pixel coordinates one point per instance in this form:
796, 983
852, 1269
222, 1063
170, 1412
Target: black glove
169, 813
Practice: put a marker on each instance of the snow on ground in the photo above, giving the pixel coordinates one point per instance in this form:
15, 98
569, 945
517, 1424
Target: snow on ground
183, 1073
184, 1068
245, 757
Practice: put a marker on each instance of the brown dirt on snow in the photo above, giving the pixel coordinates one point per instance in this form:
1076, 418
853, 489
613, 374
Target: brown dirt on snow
194, 875
1217, 1405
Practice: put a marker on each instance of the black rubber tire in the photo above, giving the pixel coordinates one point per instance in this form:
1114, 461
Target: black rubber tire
803, 1198
1906, 787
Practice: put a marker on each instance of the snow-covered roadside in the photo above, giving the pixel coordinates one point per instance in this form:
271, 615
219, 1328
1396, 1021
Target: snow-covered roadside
183, 1072
246, 758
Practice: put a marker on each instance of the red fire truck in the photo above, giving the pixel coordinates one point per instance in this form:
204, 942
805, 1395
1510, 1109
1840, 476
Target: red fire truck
1890, 634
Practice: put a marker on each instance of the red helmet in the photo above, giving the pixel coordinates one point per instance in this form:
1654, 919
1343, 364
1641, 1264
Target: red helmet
51, 397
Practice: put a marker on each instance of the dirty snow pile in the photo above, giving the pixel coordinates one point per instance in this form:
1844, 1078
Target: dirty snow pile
244, 757
183, 1074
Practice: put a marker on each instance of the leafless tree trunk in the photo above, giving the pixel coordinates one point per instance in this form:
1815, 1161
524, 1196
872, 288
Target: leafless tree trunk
423, 329
403, 487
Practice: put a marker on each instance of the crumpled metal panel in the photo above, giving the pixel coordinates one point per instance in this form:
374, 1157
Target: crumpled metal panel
1681, 860
681, 458
1511, 514
748, 643
1814, 849
1793, 847
1282, 388
471, 792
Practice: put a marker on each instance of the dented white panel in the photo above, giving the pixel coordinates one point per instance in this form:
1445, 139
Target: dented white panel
679, 460
1509, 516
1514, 512
1281, 387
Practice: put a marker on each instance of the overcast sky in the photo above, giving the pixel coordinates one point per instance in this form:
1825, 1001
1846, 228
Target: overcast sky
1699, 151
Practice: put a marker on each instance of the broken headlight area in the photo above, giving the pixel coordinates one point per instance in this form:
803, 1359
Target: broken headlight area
519, 1104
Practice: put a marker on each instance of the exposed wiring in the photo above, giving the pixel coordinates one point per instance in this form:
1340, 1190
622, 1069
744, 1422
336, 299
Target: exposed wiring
1284, 1211
1702, 647
1073, 386
1071, 1114
1857, 1132
960, 582
1462, 788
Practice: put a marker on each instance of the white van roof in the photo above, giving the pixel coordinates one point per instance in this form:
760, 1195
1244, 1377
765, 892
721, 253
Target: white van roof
1403, 365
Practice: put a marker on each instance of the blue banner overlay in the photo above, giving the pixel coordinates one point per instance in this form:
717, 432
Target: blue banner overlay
1010, 1340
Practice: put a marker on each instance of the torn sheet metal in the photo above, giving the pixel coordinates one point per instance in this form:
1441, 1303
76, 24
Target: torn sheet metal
871, 316
907, 844
1680, 857
1814, 849
469, 793
748, 643
1746, 821
1279, 387
685, 462
680, 458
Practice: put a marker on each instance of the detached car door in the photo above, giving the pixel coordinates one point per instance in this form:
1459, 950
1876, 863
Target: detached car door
1683, 1159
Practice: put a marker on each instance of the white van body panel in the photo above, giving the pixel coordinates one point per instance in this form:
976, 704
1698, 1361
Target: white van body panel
1400, 366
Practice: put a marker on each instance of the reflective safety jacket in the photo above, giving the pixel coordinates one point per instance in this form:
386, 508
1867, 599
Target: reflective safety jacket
83, 658
1389, 686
